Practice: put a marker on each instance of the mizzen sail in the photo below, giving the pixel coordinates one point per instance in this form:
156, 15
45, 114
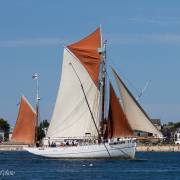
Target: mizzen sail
71, 116
118, 125
136, 116
24, 131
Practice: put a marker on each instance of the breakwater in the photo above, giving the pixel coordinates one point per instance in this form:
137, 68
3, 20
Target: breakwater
158, 148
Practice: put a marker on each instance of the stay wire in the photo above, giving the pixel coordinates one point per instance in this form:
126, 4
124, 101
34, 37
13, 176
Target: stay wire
124, 76
89, 108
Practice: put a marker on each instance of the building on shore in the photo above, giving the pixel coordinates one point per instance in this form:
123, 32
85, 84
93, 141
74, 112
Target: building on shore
11, 132
156, 123
177, 136
2, 135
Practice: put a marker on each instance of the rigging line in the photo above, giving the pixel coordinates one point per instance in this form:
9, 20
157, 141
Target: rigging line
89, 108
110, 145
85, 98
136, 102
126, 154
119, 150
133, 86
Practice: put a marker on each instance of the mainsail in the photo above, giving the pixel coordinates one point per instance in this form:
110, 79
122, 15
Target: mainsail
136, 116
24, 131
71, 116
118, 125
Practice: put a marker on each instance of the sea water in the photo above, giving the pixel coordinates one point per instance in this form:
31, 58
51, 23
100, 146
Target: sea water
147, 165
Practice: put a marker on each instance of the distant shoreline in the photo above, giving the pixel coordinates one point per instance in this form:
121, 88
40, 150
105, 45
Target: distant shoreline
158, 148
139, 148
8, 147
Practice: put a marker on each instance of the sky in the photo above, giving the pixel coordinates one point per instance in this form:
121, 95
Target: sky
143, 43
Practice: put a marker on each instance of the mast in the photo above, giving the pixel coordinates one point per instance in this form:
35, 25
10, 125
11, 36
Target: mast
102, 80
99, 135
36, 77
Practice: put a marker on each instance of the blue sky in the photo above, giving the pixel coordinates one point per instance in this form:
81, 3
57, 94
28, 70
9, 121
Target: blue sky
143, 44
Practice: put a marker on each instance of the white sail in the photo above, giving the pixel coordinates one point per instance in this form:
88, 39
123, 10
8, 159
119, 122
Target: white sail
71, 116
136, 116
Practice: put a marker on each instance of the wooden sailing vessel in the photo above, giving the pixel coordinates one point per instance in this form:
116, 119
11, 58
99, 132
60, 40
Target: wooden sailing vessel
84, 123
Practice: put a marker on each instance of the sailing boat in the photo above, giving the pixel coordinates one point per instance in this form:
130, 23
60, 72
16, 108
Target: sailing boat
84, 124
24, 131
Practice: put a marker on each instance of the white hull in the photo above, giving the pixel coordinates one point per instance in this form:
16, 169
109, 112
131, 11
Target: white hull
126, 150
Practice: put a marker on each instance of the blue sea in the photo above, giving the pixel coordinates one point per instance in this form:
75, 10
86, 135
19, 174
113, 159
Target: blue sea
148, 165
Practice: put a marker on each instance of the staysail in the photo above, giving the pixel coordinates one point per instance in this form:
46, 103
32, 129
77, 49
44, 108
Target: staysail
136, 116
71, 116
118, 125
24, 131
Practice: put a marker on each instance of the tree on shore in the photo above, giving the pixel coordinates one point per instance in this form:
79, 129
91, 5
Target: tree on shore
169, 130
176, 125
4, 125
42, 129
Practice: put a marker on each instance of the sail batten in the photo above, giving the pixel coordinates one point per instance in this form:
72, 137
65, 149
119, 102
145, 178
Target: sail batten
24, 131
137, 117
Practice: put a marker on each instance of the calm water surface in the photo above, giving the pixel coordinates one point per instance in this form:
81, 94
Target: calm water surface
149, 165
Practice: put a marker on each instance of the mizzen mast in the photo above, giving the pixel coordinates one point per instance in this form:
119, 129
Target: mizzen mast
36, 77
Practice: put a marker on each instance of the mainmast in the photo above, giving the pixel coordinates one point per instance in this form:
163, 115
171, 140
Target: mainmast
102, 80
36, 77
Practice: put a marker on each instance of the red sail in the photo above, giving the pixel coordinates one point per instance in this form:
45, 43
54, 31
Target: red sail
86, 50
24, 131
118, 125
